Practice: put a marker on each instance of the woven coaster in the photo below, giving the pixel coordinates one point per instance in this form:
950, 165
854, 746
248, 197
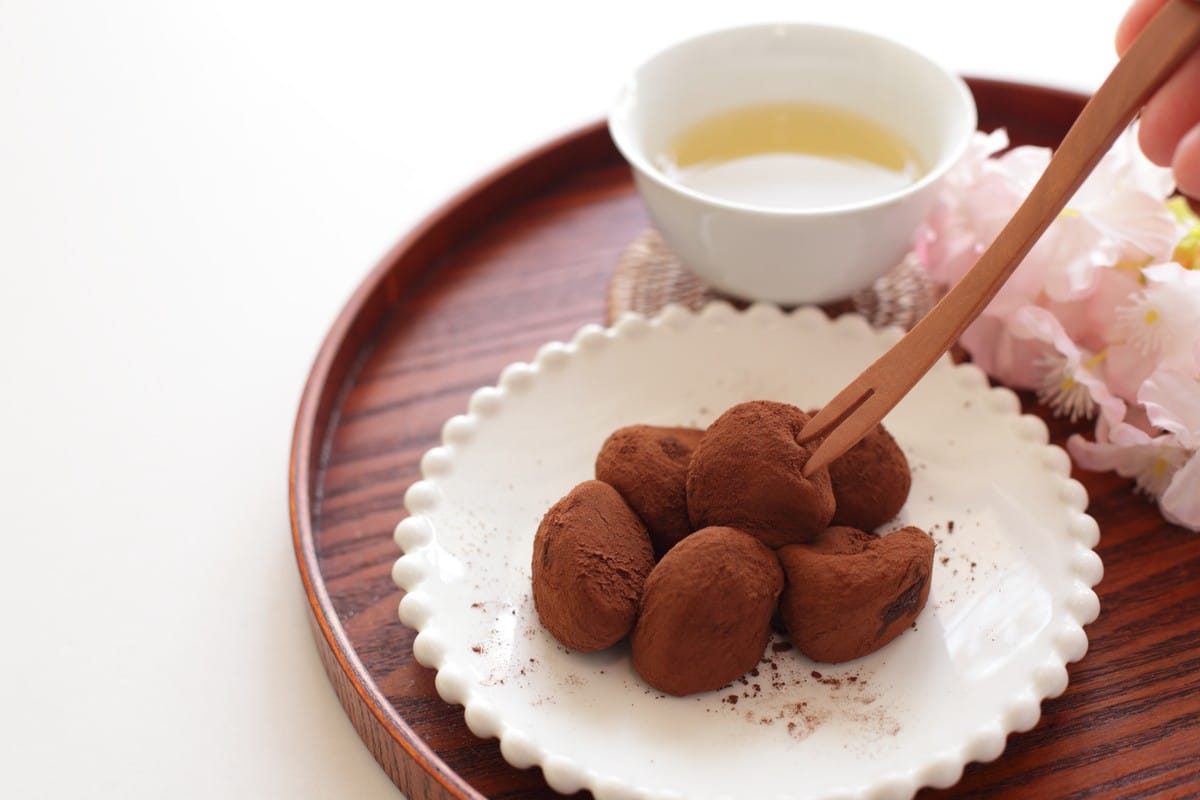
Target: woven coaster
648, 276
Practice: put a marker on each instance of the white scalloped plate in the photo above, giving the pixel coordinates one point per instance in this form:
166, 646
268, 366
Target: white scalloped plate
1012, 584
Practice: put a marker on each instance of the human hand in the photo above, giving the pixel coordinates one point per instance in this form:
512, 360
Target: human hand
1169, 133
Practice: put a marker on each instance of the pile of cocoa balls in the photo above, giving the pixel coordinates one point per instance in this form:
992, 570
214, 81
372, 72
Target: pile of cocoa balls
695, 541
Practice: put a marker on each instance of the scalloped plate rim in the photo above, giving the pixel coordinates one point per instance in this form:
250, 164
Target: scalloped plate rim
566, 776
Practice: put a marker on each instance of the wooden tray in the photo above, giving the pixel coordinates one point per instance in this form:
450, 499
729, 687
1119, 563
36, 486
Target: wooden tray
524, 257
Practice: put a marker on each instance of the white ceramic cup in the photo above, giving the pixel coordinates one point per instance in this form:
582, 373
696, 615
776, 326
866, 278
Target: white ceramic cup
790, 256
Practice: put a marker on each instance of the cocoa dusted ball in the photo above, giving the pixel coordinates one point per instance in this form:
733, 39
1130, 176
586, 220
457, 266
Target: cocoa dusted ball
591, 557
747, 473
648, 465
706, 612
870, 481
849, 593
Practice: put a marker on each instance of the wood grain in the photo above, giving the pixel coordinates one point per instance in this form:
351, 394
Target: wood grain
523, 258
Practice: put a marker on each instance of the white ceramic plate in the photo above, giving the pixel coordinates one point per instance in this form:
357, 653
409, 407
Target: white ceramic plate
1012, 583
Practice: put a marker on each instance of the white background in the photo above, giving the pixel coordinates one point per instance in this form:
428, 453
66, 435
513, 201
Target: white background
188, 194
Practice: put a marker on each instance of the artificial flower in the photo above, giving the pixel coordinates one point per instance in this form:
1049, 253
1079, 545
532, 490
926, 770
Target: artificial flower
1070, 384
1102, 317
1165, 463
1152, 462
1163, 319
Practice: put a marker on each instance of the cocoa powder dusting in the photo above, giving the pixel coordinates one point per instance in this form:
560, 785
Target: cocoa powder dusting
618, 557
648, 466
846, 583
706, 612
870, 481
591, 557
844, 696
747, 473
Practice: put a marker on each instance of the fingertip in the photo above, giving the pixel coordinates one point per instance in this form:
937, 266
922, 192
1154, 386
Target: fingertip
1136, 17
1186, 164
1171, 113
1153, 144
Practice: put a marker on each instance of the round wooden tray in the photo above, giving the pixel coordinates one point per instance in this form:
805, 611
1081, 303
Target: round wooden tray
524, 257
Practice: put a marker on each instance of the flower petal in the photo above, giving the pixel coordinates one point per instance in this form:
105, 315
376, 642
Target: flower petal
1141, 223
1035, 322
1180, 503
1172, 402
1151, 463
1071, 252
1013, 361
1098, 456
1125, 369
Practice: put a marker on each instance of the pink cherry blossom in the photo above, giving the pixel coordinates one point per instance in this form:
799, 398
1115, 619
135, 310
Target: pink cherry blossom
1118, 216
1180, 502
1092, 320
1162, 321
1101, 318
975, 201
1166, 465
1172, 403
1071, 383
1125, 200
1014, 361
1152, 462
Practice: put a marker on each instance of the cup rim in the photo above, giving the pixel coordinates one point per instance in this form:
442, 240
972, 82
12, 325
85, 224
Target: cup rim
621, 139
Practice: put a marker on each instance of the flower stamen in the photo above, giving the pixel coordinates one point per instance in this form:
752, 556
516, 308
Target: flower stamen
1156, 472
1140, 325
1063, 392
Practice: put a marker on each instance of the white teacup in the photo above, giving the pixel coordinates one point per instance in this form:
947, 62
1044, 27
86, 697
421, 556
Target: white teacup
790, 255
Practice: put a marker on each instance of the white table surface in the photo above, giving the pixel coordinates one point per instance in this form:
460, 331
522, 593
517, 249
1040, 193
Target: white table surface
188, 194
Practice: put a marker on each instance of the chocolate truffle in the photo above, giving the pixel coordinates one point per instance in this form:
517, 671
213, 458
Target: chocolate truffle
648, 465
591, 556
870, 481
706, 612
747, 473
849, 592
